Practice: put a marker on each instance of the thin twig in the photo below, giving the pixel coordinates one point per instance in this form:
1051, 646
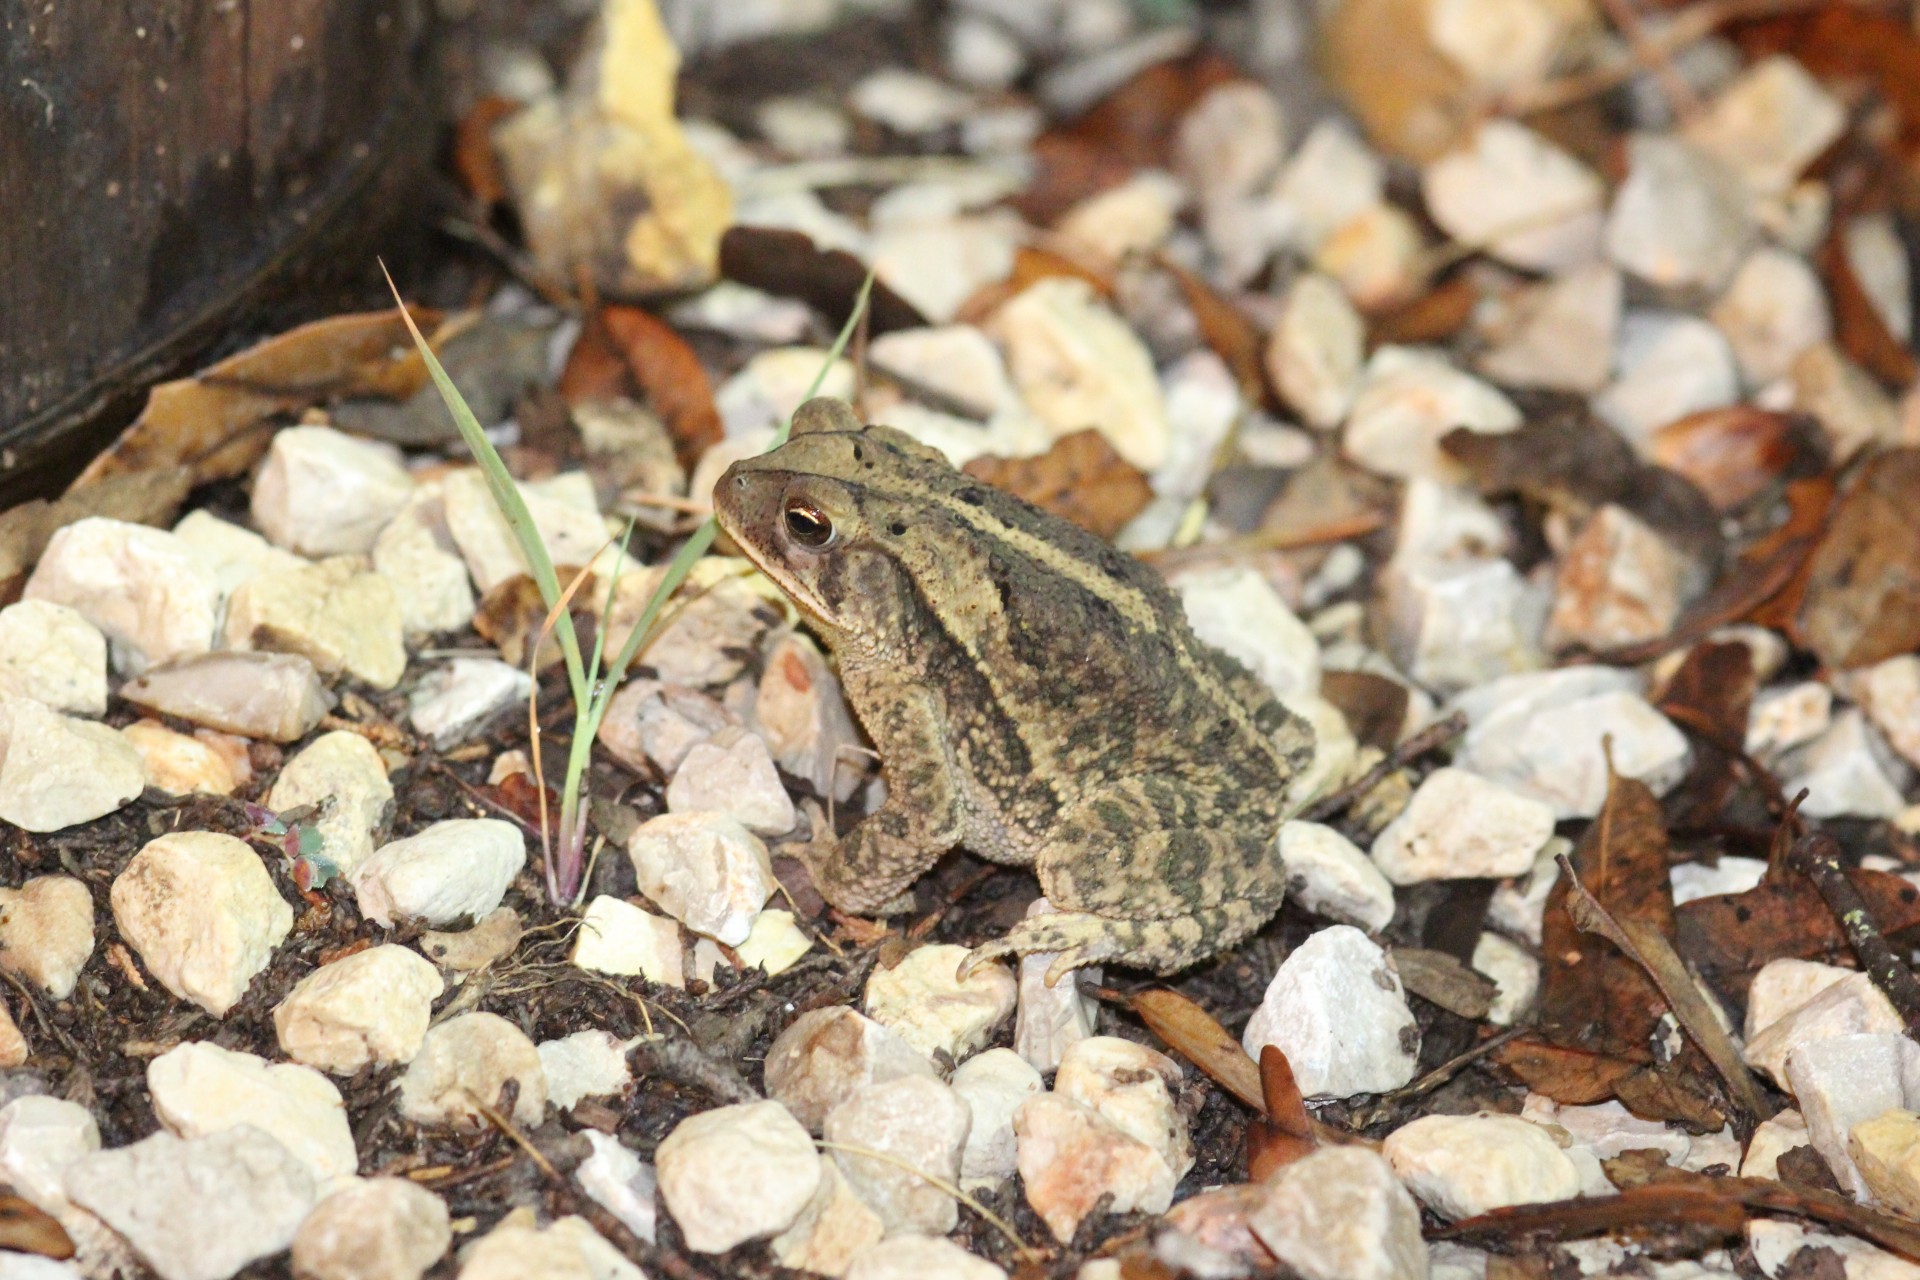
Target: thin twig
1434, 735
1817, 856
499, 1120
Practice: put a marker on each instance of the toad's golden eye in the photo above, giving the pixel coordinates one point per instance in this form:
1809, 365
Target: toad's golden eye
808, 526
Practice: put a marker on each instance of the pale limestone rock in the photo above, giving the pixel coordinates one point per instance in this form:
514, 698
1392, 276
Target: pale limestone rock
200, 1089
1126, 221
586, 1064
1515, 973
827, 1056
564, 513
202, 913
1332, 179
46, 932
1848, 771
151, 594
1048, 1019
1560, 334
1439, 522
345, 768
455, 868
1879, 262
956, 360
993, 1085
1231, 141
1555, 754
56, 771
938, 263
917, 1121
1498, 706
467, 950
1886, 1151
1461, 826
1784, 717
1329, 876
322, 492
703, 869
1078, 365
908, 102
620, 1183
1204, 404
1889, 692
569, 1249
1682, 218
233, 553
737, 1173
1774, 310
1335, 1007
922, 1000
14, 1050
178, 764
52, 654
451, 703
338, 615
764, 394
1341, 1214
1783, 985
1695, 880
1769, 124
917, 1257
1460, 1166
980, 53
1525, 201
1237, 611
1776, 1244
40, 1138
370, 1007
417, 554
1379, 258
276, 696
471, 1056
199, 1209
831, 1231
732, 773
775, 943
1605, 1130
1519, 905
1409, 398
1670, 365
617, 937
1846, 400
1070, 1156
374, 1229
803, 128
650, 727
1131, 1087
1316, 351
1850, 1006
1773, 1138
1619, 583
1452, 625
717, 618
1843, 1081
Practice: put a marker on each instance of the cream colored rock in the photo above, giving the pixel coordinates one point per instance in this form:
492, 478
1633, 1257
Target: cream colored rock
466, 950
1341, 1214
1784, 717
57, 772
803, 717
1460, 1166
276, 696
1769, 124
371, 1007
1889, 692
1316, 351
235, 554
1078, 365
622, 1185
586, 1064
179, 764
703, 869
472, 1056
1846, 400
1772, 312
46, 932
993, 1085
737, 1173
200, 1089
1886, 1150
1407, 400
1050, 1019
1670, 365
152, 595
918, 1125
416, 553
1525, 201
1333, 178
733, 773
455, 868
1853, 1005
569, 1249
1460, 826
375, 1229
1455, 624
1682, 218
201, 912
1129, 220
834, 1228
619, 938
1620, 582
917, 1257
922, 1000
564, 512
453, 702
1845, 1080
1231, 141
1557, 754
52, 654
775, 943
338, 615
1237, 611
827, 1056
1070, 1156
40, 1137
1336, 1008
1848, 771
14, 1050
718, 617
1772, 1138
344, 768
1783, 985
1379, 257
1329, 876
322, 492
650, 727
1130, 1086
1559, 334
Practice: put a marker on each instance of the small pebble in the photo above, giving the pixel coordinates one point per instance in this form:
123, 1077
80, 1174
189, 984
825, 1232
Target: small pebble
703, 869
732, 773
276, 696
586, 1064
922, 1000
57, 772
916, 1121
52, 654
827, 1056
322, 492
1340, 1213
470, 1057
1336, 1008
346, 769
1460, 1166
736, 1173
371, 1007
1460, 826
200, 1089
453, 702
453, 869
152, 595
619, 938
46, 932
376, 1229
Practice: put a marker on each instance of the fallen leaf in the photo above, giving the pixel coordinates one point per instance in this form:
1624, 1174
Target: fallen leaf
1735, 454
1573, 1077
789, 264
1858, 327
1862, 600
1375, 708
628, 352
512, 615
1079, 478
137, 497
1436, 316
1726, 938
1441, 979
1228, 331
474, 158
1030, 265
1709, 698
1192, 1032
1286, 1133
519, 795
26, 1228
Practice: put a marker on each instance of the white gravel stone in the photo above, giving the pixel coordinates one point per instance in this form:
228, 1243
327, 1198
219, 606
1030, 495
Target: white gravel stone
1774, 310
1783, 985
923, 1001
456, 868
417, 554
564, 513
1341, 1214
775, 943
46, 932
1049, 1019
1850, 1006
617, 937
1460, 1166
1889, 692
732, 773
718, 620
1317, 350
1619, 583
1842, 1081
52, 654
1773, 1138
736, 1173
472, 1056
1452, 625
1461, 826
1525, 201
956, 360
202, 913
1519, 905
916, 1257
907, 101
569, 1249
1670, 365
1769, 124
918, 1122
1129, 220
1682, 218
1776, 1244
1070, 1156
1879, 262
831, 1231
152, 595
376, 1229
1237, 611
827, 1056
199, 1209
1329, 876
703, 869
1695, 880
40, 1138
938, 263
650, 727
1131, 1087
1230, 141
993, 1085
1560, 335
1787, 716
276, 696
620, 1183
586, 1064
178, 764
1848, 771
1605, 1130
1515, 973
370, 1007
337, 614
1439, 522
1335, 1007
981, 53
233, 553
346, 769
1554, 754
56, 771
322, 492
1332, 179
451, 702
1077, 364
803, 717
1846, 401
200, 1089
1409, 398
1379, 258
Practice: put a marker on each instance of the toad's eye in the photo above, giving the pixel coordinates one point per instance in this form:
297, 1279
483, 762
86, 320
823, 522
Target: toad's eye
808, 526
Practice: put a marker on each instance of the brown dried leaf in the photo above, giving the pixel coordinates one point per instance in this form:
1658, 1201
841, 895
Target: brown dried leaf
138, 497
1286, 1134
1080, 478
1191, 1032
1857, 324
1728, 937
625, 351
1228, 331
1571, 1076
1733, 455
1442, 979
1862, 601
1709, 697
1849, 43
1029, 266
789, 264
474, 158
1375, 707
511, 616
1437, 316
26, 1228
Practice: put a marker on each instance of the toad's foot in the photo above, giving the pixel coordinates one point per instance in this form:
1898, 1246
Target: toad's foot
1079, 938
